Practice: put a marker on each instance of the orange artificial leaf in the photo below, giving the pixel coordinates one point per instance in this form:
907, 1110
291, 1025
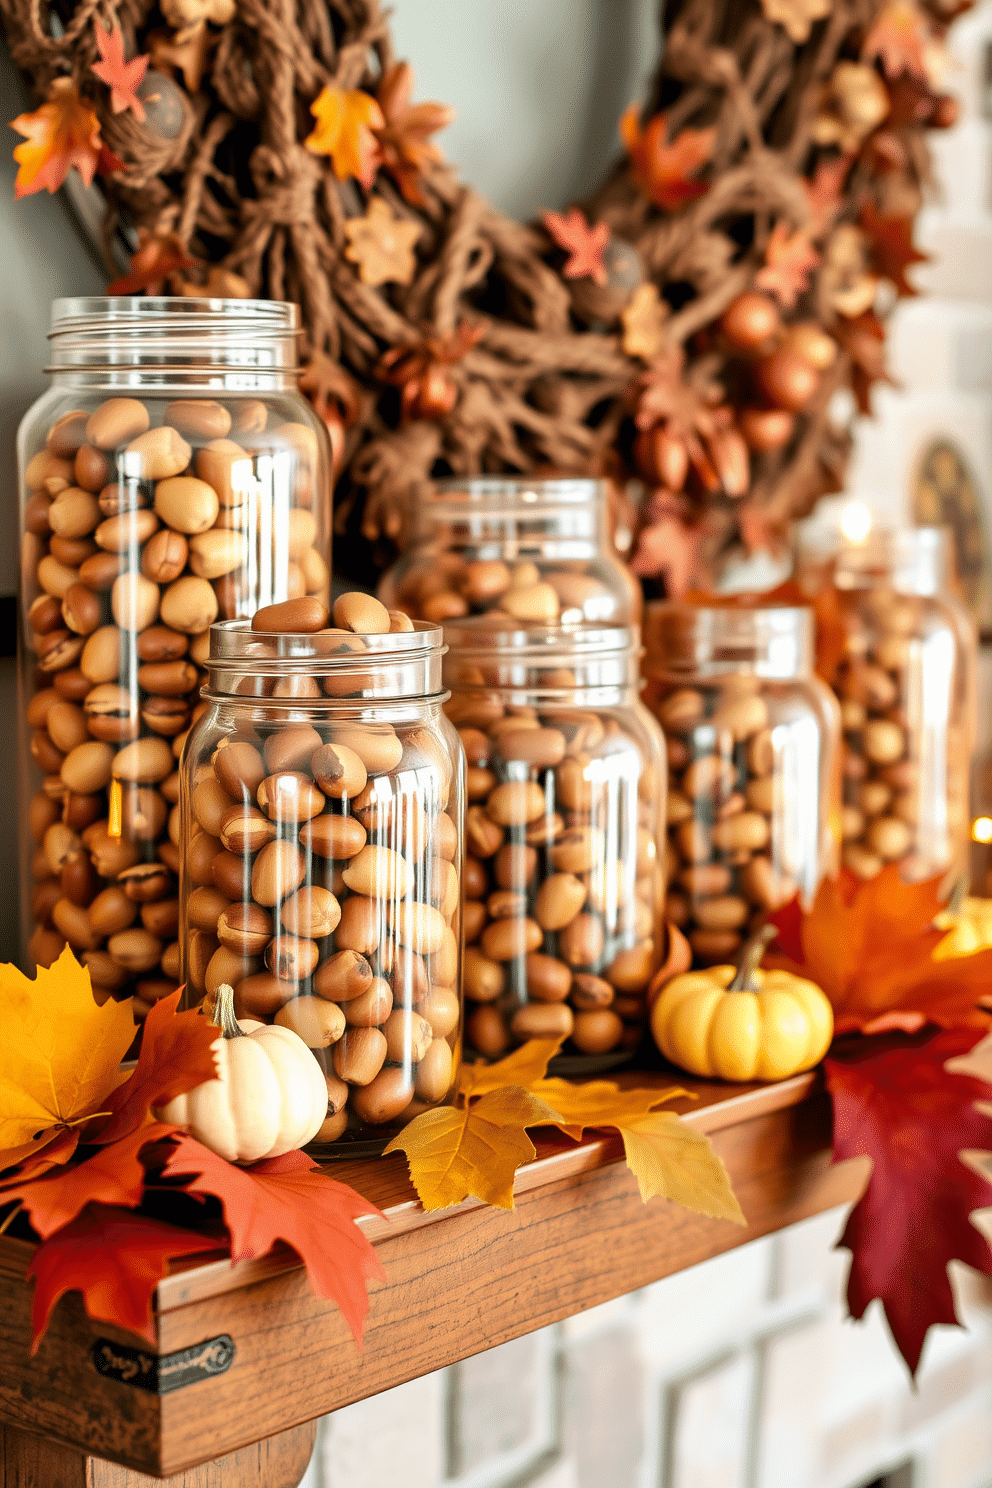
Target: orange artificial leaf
918, 1108
405, 138
159, 256
55, 1146
664, 170
583, 244
122, 78
114, 1175
790, 258
60, 1054
177, 1054
892, 246
644, 323
63, 133
428, 390
116, 1259
863, 338
346, 118
899, 38
289, 1199
825, 193
869, 944
382, 245
669, 1159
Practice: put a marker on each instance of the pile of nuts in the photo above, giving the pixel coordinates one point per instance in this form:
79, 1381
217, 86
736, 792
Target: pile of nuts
890, 813
145, 521
450, 587
562, 876
322, 872
725, 868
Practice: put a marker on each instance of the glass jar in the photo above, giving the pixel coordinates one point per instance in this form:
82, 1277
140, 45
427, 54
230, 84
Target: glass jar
321, 803
903, 666
173, 473
753, 755
535, 550
563, 834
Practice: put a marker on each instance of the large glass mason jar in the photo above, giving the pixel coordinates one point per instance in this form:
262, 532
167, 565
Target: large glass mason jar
321, 808
173, 473
752, 735
563, 837
534, 550
903, 668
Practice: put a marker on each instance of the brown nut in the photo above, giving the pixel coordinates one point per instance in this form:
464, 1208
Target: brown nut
290, 796
597, 1031
384, 1098
361, 613
291, 748
763, 886
337, 837
376, 745
434, 1073
558, 901
681, 710
200, 418
243, 927
578, 850
482, 835
514, 865
379, 873
748, 832
548, 980
487, 1032
582, 942
631, 970
81, 609
442, 1010
159, 454
543, 1020
134, 601
505, 940
590, 992
245, 829
883, 742
311, 913
238, 767
291, 957
317, 1022
88, 767
890, 837
342, 977
216, 553
515, 803
741, 715
262, 995
485, 979
361, 925
189, 605
138, 950
114, 422
372, 1007
164, 557
278, 871
359, 1055
144, 762
293, 616
204, 907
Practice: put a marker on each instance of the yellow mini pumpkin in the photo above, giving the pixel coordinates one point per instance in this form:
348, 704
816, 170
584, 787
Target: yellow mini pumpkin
269, 1097
743, 1024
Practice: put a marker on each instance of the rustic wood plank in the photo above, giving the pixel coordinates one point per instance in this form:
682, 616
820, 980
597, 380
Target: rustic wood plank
457, 1283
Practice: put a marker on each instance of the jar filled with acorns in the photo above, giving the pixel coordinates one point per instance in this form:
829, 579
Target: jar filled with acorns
172, 475
320, 812
527, 549
753, 755
899, 650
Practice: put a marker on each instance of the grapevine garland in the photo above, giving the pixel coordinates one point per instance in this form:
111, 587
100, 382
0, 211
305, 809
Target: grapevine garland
686, 327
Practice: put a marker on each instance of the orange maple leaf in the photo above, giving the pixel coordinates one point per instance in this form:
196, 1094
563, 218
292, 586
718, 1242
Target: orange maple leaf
346, 118
899, 39
664, 170
790, 258
63, 133
869, 944
405, 139
159, 256
824, 193
892, 246
122, 78
583, 244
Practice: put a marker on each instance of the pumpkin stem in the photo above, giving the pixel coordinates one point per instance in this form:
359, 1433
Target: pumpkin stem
224, 1018
750, 959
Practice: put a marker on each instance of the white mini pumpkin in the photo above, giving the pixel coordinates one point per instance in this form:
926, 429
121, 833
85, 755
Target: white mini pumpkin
269, 1097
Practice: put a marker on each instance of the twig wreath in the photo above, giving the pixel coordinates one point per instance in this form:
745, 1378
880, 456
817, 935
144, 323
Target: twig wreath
686, 326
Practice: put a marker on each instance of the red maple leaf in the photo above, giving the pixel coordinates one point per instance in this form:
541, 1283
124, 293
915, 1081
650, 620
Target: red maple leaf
863, 338
664, 170
288, 1198
666, 546
583, 244
30, 1160
122, 78
898, 38
892, 246
869, 944
158, 256
405, 138
824, 194
116, 1259
176, 1055
900, 1107
115, 1175
790, 258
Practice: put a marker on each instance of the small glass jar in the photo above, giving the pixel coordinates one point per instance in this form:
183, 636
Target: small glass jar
172, 474
563, 834
903, 668
321, 807
537, 551
753, 736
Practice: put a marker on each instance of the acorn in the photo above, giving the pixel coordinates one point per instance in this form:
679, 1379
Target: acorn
165, 104
750, 322
812, 343
661, 458
603, 304
766, 429
787, 379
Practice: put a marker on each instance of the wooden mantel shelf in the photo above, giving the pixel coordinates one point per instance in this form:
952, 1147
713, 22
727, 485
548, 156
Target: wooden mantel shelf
457, 1283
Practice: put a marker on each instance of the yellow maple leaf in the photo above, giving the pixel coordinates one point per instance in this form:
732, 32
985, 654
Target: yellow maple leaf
522, 1067
474, 1150
60, 1054
62, 133
668, 1158
345, 120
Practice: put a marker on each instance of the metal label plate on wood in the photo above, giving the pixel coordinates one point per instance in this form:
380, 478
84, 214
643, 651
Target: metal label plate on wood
160, 1374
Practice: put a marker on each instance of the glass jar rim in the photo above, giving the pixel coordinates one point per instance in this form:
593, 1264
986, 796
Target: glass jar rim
538, 645
467, 499
917, 559
774, 641
82, 314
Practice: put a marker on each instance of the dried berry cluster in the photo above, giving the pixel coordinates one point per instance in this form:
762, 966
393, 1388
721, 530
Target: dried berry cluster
688, 326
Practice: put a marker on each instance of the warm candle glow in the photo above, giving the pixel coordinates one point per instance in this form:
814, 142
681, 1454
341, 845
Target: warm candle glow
981, 829
855, 521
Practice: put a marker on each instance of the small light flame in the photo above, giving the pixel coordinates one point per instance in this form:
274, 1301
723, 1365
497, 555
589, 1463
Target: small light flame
981, 829
855, 522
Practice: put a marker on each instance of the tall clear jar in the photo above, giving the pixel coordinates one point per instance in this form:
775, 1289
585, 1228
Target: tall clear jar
172, 474
563, 837
753, 756
903, 668
321, 809
537, 551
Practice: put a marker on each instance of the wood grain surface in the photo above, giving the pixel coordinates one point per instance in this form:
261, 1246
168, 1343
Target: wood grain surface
457, 1283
